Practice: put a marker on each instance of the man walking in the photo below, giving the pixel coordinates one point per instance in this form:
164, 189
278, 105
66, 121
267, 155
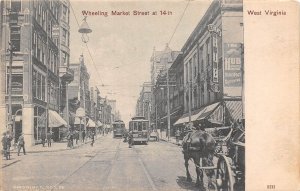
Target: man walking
49, 137
43, 137
92, 135
4, 145
21, 144
76, 136
177, 135
83, 135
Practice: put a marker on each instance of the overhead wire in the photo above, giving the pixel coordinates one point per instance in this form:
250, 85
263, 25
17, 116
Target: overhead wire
183, 13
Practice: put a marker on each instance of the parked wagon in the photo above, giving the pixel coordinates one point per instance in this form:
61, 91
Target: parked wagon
230, 151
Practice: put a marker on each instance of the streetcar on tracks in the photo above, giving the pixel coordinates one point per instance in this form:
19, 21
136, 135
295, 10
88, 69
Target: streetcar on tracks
139, 127
118, 128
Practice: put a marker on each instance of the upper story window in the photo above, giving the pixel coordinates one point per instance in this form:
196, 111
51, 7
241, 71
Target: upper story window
16, 5
15, 38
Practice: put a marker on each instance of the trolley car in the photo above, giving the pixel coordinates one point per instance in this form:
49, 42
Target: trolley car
118, 128
139, 127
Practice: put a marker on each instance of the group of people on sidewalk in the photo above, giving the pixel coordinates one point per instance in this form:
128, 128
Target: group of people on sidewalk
48, 137
74, 135
6, 144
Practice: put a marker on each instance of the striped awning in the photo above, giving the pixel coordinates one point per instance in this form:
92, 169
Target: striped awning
199, 114
235, 109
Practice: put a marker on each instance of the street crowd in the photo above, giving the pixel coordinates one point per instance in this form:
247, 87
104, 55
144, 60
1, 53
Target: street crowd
6, 144
72, 137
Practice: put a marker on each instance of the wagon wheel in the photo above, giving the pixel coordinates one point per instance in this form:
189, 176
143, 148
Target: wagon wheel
225, 179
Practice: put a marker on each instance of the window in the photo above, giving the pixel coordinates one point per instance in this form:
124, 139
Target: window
34, 83
15, 38
16, 5
43, 88
135, 126
16, 84
140, 126
39, 86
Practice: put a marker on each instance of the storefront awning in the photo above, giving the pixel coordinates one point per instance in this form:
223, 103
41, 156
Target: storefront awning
235, 109
55, 120
99, 124
77, 121
199, 114
90, 123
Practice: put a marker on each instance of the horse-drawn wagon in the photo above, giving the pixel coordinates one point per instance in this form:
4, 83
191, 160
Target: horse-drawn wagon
229, 150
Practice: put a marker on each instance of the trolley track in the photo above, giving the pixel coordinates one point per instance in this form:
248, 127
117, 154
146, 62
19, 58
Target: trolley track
107, 170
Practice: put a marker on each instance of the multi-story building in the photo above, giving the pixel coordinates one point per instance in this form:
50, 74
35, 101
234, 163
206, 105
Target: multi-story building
212, 59
105, 116
113, 105
160, 61
78, 92
144, 102
31, 28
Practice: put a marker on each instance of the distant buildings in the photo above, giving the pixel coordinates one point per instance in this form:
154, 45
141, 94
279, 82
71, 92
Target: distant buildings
205, 77
143, 105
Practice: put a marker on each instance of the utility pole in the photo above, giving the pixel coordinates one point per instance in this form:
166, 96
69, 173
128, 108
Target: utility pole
168, 104
190, 101
12, 22
11, 52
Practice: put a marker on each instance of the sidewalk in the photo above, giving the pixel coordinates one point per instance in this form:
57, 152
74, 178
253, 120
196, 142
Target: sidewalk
55, 147
172, 140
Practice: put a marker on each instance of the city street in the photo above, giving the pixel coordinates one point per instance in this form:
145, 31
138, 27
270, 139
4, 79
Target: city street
109, 165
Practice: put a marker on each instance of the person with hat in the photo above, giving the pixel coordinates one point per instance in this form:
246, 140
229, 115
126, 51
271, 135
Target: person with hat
21, 144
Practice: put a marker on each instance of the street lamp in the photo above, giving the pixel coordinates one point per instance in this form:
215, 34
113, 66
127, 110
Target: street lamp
84, 30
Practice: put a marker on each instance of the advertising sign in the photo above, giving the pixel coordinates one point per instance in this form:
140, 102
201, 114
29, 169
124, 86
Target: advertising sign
232, 69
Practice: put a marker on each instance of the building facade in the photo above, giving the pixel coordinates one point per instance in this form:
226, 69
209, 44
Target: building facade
36, 84
212, 60
78, 92
143, 106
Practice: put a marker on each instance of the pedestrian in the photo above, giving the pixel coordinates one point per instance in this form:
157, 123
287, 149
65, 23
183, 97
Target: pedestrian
130, 137
49, 137
43, 137
4, 145
83, 135
69, 145
72, 139
92, 136
21, 144
177, 135
76, 136
9, 139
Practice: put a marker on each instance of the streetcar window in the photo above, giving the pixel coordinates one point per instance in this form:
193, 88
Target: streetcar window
130, 126
135, 126
144, 126
140, 126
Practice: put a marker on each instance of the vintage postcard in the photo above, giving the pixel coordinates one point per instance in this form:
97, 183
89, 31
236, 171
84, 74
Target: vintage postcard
149, 95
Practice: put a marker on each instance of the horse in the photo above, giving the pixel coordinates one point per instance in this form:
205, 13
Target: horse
196, 145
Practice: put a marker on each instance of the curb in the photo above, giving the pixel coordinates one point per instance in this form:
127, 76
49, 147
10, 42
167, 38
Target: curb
58, 150
11, 163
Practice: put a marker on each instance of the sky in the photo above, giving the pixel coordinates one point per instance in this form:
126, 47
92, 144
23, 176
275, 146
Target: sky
121, 46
